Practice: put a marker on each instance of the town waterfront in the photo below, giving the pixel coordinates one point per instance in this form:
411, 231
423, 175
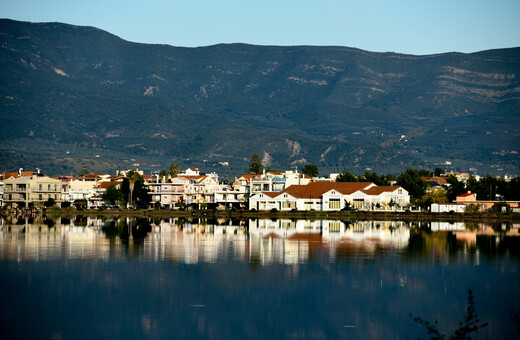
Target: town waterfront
87, 277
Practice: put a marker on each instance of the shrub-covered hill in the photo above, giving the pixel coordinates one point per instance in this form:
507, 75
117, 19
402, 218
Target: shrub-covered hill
71, 95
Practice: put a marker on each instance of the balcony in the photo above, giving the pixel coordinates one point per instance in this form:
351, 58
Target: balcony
46, 190
7, 189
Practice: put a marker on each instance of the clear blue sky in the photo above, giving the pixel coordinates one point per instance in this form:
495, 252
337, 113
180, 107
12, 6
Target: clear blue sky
405, 26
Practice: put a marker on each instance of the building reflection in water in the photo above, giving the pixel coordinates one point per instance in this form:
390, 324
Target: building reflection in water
260, 241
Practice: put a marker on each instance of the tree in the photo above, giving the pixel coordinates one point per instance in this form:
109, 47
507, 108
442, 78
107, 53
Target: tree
439, 172
471, 209
424, 173
132, 177
174, 170
454, 188
412, 182
84, 170
49, 203
375, 178
513, 193
134, 188
163, 174
487, 188
255, 165
346, 176
310, 170
113, 195
436, 196
501, 207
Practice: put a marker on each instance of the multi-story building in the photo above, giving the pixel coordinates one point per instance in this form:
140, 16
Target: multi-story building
27, 190
276, 181
169, 193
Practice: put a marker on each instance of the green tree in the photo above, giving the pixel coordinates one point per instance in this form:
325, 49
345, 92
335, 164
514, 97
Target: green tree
436, 196
163, 173
50, 202
310, 170
513, 192
375, 178
84, 169
487, 188
140, 196
424, 173
255, 165
347, 176
132, 177
454, 187
439, 172
471, 208
412, 182
113, 195
174, 170
500, 207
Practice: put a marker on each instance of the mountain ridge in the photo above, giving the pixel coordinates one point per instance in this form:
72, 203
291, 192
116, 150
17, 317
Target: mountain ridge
84, 88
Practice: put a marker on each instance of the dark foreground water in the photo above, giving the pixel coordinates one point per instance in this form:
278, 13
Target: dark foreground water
142, 279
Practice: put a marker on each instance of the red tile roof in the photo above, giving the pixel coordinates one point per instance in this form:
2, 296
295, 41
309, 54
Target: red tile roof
15, 174
380, 190
248, 177
317, 189
106, 185
466, 194
271, 194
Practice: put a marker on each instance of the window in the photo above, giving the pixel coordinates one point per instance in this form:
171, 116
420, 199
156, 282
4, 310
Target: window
400, 191
289, 205
40, 198
358, 203
334, 203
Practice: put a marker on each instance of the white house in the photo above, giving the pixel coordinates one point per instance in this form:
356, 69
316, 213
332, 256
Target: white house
448, 207
332, 196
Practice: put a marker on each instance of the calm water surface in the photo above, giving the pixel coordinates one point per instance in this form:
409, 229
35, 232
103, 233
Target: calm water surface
85, 278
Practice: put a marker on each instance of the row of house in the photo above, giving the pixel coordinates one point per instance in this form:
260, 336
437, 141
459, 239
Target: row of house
25, 188
470, 199
270, 190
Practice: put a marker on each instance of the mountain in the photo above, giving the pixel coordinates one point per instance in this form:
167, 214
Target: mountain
78, 96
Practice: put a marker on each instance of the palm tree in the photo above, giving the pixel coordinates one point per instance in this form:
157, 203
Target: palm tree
174, 170
133, 176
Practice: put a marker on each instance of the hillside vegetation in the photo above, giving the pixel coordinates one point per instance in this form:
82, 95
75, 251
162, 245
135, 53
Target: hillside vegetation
72, 94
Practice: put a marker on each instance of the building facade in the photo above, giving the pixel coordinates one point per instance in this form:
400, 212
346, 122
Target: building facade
26, 190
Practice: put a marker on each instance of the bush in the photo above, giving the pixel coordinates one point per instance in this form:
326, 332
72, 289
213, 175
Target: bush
471, 209
49, 203
499, 207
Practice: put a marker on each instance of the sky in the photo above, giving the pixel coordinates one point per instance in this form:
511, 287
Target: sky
404, 26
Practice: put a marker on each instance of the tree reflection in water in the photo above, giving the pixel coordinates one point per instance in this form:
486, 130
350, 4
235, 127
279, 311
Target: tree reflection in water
471, 323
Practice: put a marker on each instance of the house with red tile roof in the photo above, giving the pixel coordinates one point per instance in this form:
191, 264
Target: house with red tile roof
331, 196
95, 200
467, 197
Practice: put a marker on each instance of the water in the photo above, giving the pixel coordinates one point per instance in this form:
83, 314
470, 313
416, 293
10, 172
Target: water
85, 278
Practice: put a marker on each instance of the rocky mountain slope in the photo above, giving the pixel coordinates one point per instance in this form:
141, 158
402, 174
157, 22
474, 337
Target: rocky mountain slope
78, 95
